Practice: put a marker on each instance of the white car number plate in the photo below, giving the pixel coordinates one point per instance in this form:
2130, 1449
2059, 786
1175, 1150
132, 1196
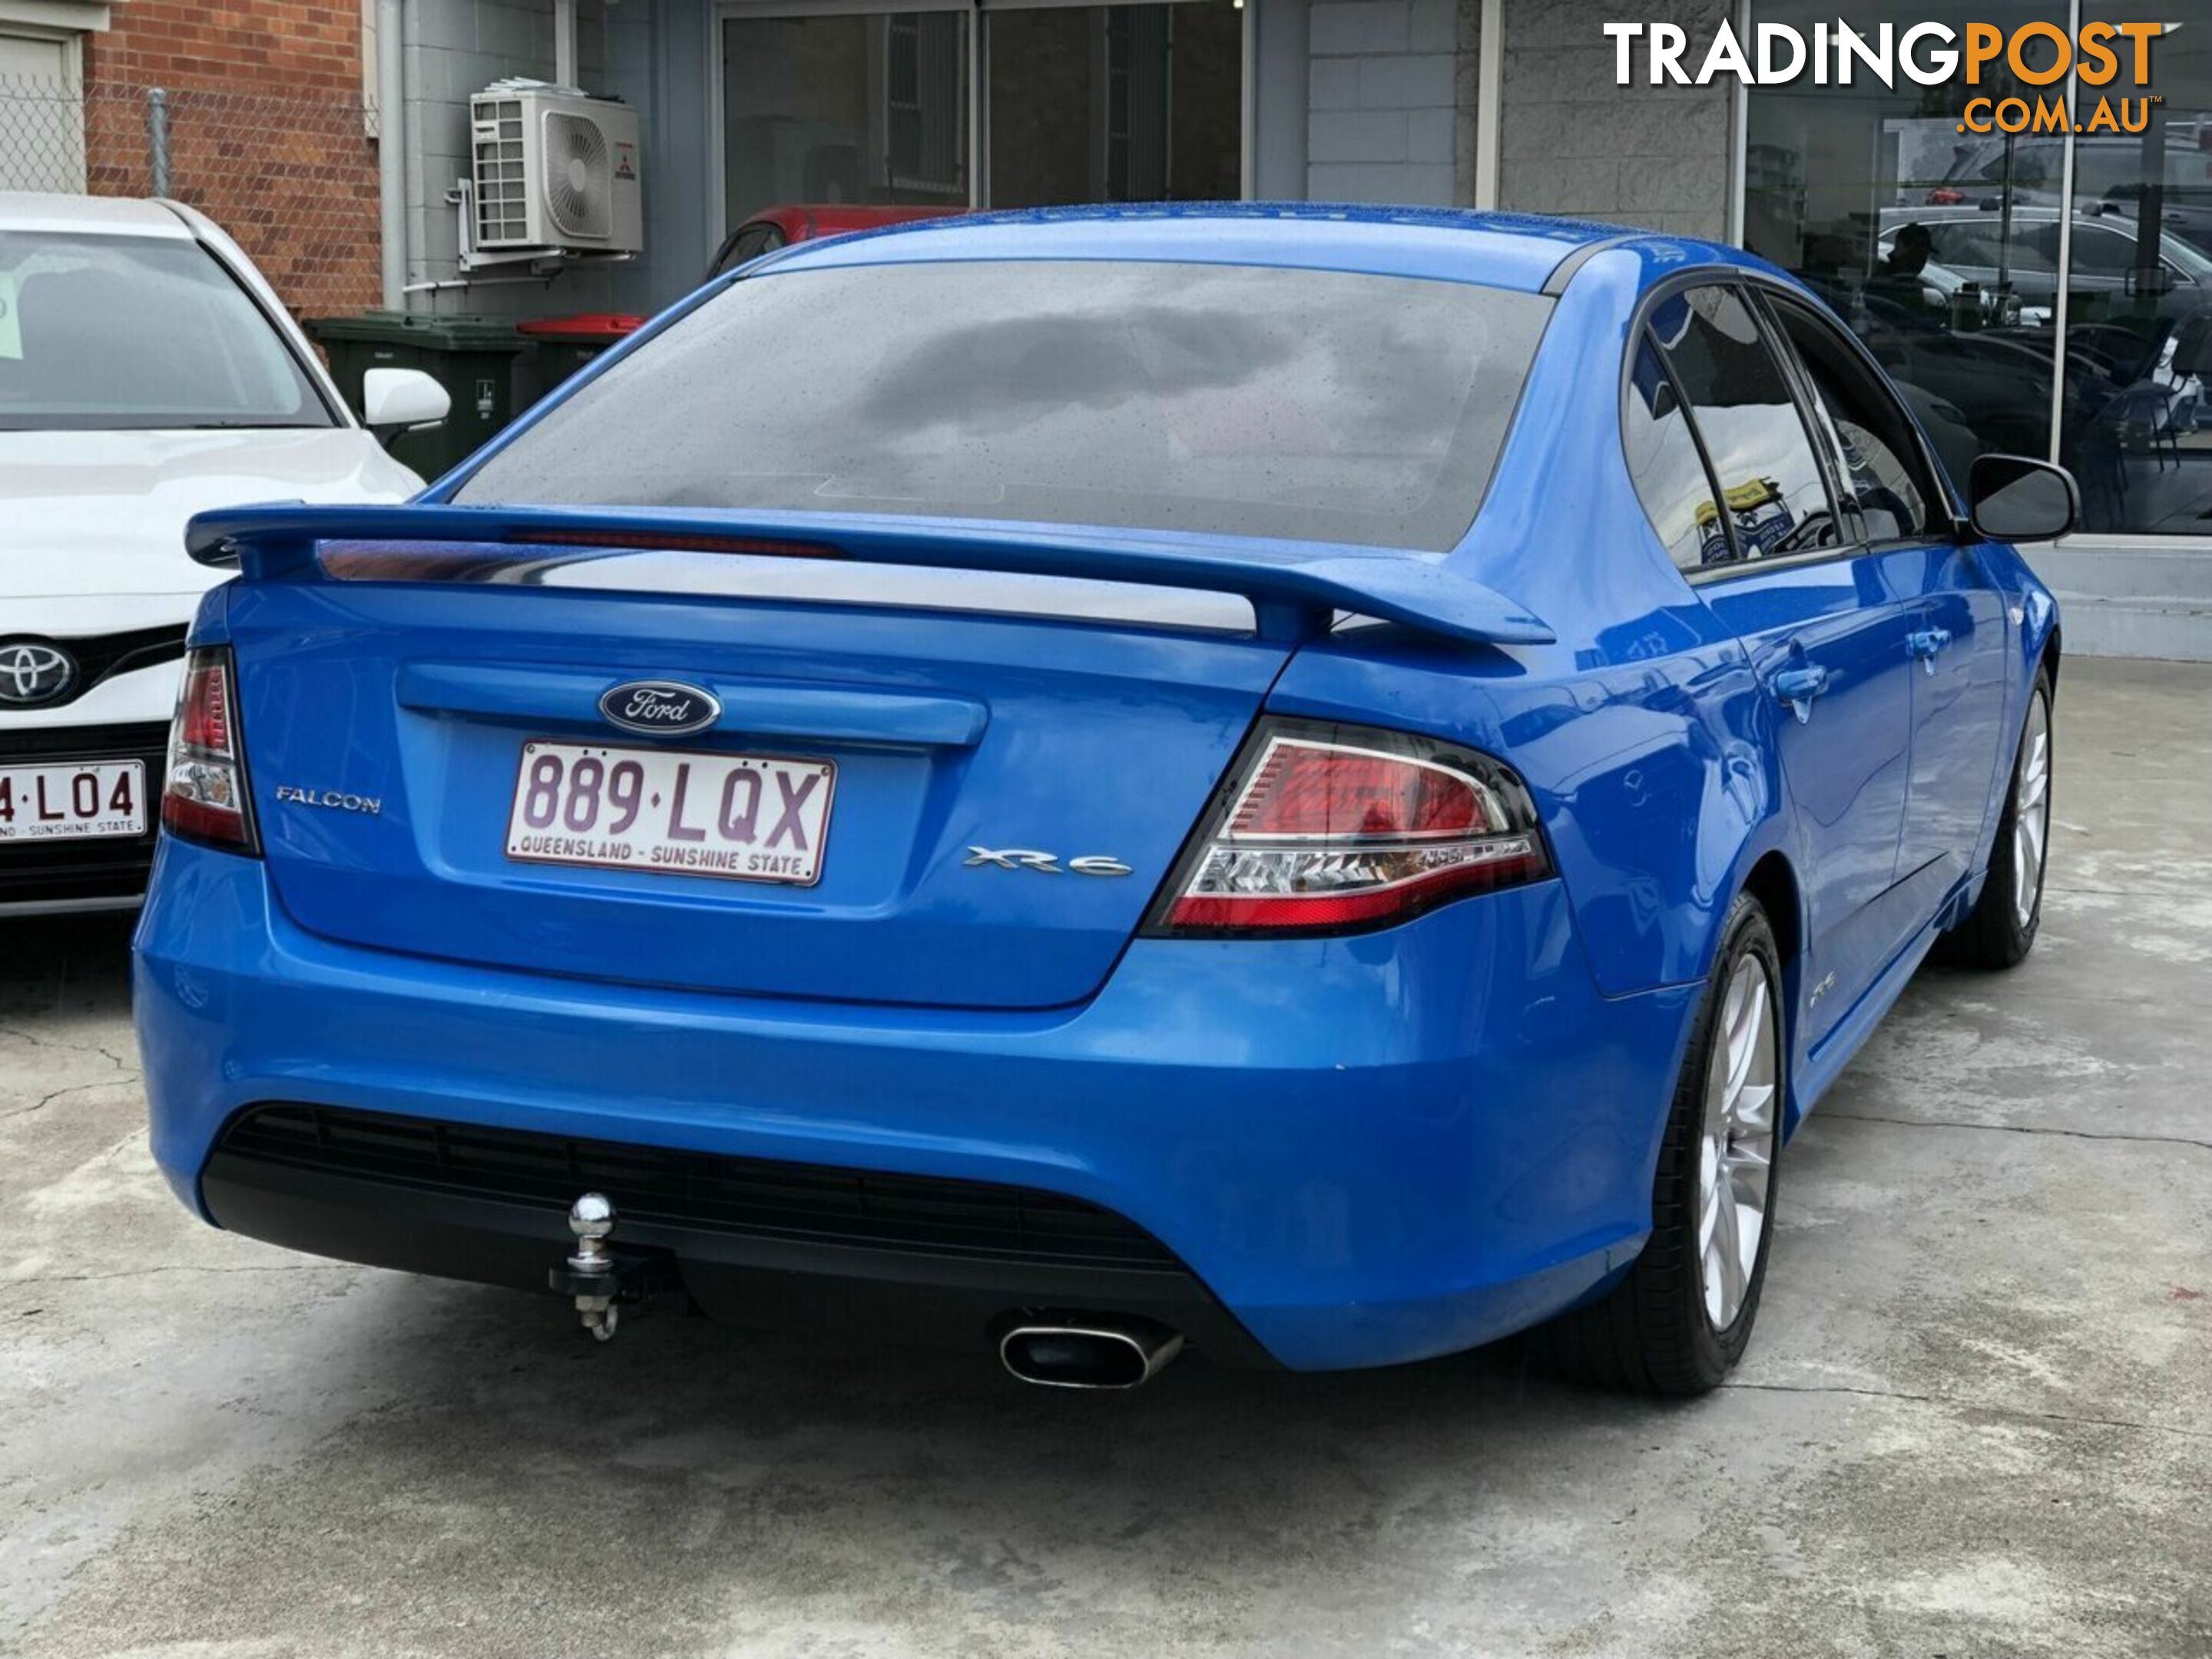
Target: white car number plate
63, 800
671, 812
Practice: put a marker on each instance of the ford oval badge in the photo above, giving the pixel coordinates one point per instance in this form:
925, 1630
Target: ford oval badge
660, 708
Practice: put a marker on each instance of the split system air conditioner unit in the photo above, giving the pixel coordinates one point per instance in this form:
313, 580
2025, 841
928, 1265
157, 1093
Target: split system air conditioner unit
555, 170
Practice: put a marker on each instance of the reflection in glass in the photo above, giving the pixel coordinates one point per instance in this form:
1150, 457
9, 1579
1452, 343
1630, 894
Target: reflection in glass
1885, 484
2018, 500
1219, 399
1670, 475
1775, 498
844, 109
2139, 302
1935, 245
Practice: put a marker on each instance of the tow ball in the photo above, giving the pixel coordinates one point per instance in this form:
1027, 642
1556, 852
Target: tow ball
590, 1275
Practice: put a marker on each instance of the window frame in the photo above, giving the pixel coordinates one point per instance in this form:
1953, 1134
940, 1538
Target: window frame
1639, 337
975, 72
1813, 418
1772, 303
288, 336
1747, 280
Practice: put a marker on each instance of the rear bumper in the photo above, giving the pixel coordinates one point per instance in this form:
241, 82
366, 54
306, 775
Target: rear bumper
937, 1290
1365, 1150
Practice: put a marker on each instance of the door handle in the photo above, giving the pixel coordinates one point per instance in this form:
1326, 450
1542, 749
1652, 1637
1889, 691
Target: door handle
1925, 643
1798, 687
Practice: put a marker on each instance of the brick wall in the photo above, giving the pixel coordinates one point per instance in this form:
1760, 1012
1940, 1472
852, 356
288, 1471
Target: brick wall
266, 132
1572, 141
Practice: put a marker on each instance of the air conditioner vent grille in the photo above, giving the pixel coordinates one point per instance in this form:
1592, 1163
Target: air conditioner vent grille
502, 179
579, 176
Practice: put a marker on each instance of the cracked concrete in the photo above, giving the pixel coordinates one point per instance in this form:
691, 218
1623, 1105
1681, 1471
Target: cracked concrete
1976, 1420
1841, 1116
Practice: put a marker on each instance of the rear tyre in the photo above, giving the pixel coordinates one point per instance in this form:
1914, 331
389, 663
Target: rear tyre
2000, 928
1681, 1318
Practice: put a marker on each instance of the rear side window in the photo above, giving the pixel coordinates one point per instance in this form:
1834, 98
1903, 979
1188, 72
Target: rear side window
1980, 245
1771, 486
1671, 480
1889, 482
747, 244
1225, 399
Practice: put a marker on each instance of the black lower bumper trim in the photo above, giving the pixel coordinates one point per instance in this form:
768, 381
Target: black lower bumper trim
904, 1295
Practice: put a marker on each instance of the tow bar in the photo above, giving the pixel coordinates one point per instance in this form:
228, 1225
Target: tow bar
594, 1276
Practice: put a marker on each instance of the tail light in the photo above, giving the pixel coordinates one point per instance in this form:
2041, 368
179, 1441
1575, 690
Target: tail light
1328, 829
203, 798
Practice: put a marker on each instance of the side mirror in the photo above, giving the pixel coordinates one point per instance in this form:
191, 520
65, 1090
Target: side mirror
396, 400
2015, 499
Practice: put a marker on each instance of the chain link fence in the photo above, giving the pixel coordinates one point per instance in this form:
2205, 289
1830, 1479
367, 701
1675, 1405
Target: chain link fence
293, 178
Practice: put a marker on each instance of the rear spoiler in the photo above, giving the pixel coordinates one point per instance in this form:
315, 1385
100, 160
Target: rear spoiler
1295, 589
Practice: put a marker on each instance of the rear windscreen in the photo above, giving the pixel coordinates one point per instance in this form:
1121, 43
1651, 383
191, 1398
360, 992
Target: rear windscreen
1222, 399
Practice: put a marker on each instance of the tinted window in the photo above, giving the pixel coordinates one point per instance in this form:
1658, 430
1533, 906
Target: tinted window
1979, 244
1670, 475
749, 243
115, 333
1888, 481
1770, 476
2097, 252
1232, 399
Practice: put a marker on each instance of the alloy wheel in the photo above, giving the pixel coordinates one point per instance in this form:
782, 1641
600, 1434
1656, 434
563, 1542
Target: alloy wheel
2031, 812
1736, 1153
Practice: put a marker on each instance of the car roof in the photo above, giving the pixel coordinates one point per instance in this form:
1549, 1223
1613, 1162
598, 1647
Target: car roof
2042, 212
109, 215
1517, 250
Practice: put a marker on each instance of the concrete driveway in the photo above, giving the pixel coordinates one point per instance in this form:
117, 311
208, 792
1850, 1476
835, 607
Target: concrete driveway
1976, 1418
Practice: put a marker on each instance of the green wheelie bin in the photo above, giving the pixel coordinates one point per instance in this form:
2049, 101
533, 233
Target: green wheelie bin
472, 357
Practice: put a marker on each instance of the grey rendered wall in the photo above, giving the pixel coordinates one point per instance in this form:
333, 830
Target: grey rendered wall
454, 48
1382, 101
1278, 91
1572, 141
661, 60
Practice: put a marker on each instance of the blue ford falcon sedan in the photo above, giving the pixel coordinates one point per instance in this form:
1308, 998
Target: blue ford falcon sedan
1327, 785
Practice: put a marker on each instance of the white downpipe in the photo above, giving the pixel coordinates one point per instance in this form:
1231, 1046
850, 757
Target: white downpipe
564, 42
1489, 101
1247, 112
391, 149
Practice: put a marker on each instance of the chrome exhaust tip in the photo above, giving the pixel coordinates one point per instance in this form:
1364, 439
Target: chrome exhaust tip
1077, 1352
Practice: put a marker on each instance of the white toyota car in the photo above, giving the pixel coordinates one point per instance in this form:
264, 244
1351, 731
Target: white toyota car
147, 372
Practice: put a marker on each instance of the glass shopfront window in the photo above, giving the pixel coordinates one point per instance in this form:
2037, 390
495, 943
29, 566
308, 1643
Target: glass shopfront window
2139, 301
1943, 249
1129, 103
1926, 240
